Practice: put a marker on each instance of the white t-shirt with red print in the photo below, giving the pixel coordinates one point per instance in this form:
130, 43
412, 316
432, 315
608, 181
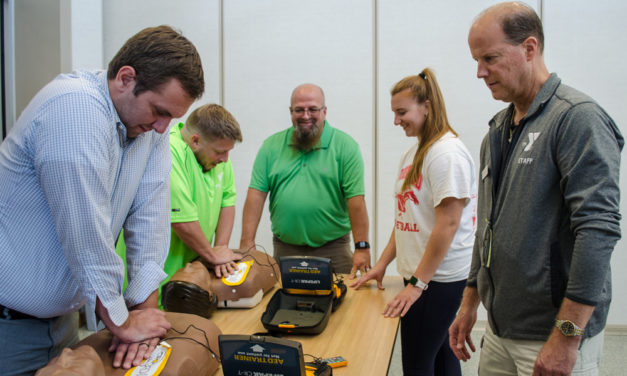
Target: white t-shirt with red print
447, 171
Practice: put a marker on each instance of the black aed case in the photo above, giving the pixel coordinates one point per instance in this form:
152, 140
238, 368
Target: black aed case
244, 355
253, 355
307, 298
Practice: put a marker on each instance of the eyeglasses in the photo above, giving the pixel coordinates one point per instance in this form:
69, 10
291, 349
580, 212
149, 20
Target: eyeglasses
311, 110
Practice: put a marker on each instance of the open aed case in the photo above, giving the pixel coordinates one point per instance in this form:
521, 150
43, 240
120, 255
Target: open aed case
307, 299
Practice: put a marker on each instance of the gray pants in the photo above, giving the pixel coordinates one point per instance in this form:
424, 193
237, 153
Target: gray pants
338, 250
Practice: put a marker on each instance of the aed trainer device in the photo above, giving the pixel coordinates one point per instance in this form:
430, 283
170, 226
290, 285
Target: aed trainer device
336, 361
306, 275
308, 296
252, 355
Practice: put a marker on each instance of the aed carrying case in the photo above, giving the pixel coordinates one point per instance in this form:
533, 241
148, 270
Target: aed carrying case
308, 296
258, 355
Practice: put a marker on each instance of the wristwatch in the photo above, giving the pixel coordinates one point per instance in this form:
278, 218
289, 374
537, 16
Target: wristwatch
568, 328
418, 283
362, 245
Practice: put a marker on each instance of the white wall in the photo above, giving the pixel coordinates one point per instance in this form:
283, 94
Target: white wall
585, 45
81, 34
45, 38
275, 45
34, 46
198, 20
254, 53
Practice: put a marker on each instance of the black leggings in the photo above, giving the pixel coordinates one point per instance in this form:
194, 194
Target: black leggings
424, 331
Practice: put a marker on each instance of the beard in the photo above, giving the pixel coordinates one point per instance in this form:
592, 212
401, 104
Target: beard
305, 139
205, 166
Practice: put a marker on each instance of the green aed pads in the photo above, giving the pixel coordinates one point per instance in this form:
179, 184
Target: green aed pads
307, 298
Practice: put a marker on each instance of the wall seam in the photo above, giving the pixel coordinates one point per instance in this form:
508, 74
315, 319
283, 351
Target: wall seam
541, 10
375, 113
221, 51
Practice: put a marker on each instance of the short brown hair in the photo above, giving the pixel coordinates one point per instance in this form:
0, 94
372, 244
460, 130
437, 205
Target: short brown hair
159, 54
214, 122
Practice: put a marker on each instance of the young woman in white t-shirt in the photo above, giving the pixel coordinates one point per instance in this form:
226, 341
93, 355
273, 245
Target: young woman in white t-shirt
433, 234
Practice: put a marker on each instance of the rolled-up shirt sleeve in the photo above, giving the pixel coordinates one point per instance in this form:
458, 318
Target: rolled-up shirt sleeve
147, 227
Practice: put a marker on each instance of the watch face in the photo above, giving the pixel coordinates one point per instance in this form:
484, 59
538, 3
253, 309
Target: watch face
567, 328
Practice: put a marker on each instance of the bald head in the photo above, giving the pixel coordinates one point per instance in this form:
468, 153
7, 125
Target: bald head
308, 90
517, 20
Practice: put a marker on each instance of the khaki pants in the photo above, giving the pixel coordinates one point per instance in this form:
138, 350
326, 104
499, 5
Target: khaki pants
338, 250
503, 356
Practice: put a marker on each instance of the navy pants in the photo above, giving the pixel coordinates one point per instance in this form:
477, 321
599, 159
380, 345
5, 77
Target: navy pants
424, 331
29, 344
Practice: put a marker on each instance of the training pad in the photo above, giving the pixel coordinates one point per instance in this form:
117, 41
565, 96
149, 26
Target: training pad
300, 318
262, 277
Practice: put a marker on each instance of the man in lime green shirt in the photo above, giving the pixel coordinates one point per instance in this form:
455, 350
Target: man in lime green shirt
315, 176
202, 190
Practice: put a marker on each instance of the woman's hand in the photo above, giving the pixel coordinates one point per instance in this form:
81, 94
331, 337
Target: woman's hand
403, 301
375, 273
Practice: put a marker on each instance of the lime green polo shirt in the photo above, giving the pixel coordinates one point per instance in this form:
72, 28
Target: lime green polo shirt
308, 190
195, 196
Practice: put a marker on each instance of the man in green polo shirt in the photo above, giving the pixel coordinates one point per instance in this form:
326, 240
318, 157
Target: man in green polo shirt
202, 190
315, 176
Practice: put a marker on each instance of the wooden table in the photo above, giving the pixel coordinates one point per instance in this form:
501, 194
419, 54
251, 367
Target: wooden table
357, 330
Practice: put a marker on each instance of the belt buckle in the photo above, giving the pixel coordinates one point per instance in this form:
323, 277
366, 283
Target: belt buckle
6, 313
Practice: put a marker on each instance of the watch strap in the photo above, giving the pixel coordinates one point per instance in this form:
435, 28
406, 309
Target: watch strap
418, 283
568, 328
362, 245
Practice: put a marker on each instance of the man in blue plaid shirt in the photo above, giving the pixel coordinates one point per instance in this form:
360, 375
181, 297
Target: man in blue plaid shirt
88, 157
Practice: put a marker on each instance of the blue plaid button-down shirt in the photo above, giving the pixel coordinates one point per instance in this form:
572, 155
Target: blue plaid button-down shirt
70, 180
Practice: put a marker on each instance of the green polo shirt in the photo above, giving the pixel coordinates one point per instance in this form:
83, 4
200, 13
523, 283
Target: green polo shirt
308, 190
195, 196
